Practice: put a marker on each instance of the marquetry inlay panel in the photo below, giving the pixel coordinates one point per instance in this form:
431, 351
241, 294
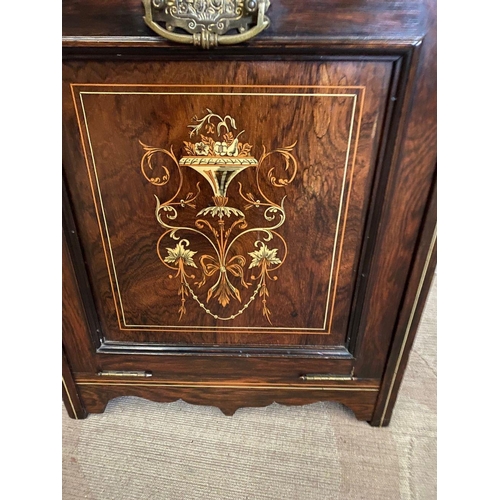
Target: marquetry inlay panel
234, 209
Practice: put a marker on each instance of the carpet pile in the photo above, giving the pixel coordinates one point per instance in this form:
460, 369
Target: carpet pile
142, 450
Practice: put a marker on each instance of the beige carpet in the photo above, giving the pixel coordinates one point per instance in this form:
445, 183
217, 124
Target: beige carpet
141, 450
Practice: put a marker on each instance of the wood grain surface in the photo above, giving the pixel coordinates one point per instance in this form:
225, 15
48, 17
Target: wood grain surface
403, 206
70, 394
361, 402
419, 283
368, 194
336, 140
121, 21
241, 369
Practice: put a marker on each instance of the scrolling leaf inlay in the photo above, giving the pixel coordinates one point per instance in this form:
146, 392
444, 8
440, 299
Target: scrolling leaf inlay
218, 155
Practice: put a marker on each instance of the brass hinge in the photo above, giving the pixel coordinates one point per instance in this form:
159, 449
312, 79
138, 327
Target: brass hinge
124, 373
325, 376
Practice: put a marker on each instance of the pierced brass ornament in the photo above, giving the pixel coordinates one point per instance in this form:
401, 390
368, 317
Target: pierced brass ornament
207, 21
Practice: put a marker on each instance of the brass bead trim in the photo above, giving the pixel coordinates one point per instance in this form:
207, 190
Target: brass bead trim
409, 325
216, 386
69, 398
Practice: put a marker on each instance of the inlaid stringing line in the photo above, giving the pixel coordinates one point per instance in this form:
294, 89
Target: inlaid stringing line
69, 398
340, 211
252, 387
230, 85
409, 324
87, 163
136, 327
221, 93
339, 259
103, 212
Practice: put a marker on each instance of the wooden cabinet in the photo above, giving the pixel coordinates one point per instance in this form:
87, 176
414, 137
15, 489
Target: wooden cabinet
248, 224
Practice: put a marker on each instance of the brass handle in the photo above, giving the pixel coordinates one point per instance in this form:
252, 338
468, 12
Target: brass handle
207, 21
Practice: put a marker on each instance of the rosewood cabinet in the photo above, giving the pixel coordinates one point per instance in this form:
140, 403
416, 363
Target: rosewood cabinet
249, 223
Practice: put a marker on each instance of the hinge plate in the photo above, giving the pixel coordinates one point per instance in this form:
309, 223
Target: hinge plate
125, 373
325, 377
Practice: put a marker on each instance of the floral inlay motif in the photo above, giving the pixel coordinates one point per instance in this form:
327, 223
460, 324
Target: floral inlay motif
219, 156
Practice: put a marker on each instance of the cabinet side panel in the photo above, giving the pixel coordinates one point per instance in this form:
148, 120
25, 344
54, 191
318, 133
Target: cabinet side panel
75, 336
404, 206
418, 288
70, 394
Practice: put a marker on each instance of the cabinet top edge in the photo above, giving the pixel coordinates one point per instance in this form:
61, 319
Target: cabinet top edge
93, 23
108, 46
